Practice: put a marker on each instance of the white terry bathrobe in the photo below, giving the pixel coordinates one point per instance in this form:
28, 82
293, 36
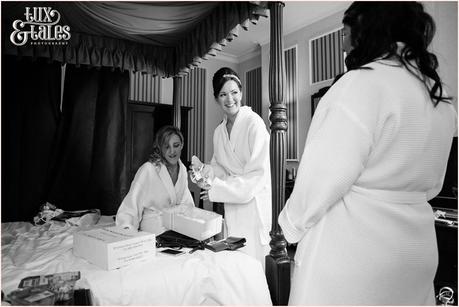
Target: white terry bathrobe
151, 191
376, 152
243, 180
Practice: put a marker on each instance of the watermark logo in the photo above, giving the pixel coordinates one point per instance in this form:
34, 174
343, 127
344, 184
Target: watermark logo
40, 27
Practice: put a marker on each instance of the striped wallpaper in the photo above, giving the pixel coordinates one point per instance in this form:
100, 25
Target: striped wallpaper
291, 101
145, 87
192, 93
326, 56
253, 90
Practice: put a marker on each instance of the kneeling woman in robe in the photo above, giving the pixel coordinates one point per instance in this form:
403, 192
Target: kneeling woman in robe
159, 184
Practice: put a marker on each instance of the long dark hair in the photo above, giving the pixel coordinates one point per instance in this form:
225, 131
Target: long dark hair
377, 26
163, 135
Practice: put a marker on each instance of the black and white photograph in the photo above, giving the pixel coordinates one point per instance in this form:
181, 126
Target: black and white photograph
225, 153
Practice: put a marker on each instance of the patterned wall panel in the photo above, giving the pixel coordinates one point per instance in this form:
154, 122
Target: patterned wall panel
253, 90
192, 93
145, 87
326, 56
291, 101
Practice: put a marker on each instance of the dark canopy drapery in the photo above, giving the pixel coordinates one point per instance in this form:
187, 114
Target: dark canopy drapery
161, 38
90, 166
30, 120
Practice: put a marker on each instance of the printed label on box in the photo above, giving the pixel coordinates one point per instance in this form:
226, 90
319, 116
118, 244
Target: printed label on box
114, 247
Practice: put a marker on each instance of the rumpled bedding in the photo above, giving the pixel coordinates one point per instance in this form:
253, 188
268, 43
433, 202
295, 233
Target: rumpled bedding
201, 278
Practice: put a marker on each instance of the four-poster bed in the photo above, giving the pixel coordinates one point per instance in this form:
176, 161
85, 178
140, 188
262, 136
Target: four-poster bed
159, 38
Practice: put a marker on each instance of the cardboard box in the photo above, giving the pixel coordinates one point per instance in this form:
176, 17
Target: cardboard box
195, 223
114, 247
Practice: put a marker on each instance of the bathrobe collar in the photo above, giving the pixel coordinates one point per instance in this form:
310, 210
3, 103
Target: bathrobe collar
234, 164
167, 180
244, 111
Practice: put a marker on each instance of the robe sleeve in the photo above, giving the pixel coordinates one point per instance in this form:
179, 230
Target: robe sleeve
130, 211
217, 169
243, 188
332, 161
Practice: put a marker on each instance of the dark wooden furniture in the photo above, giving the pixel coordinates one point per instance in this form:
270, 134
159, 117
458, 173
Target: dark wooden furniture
289, 184
446, 275
143, 120
447, 198
278, 272
315, 98
447, 239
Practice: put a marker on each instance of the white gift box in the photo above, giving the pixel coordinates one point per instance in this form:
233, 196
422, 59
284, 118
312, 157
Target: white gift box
193, 222
114, 247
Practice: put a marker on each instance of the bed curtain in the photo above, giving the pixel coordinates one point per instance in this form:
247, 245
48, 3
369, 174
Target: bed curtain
30, 119
74, 155
90, 166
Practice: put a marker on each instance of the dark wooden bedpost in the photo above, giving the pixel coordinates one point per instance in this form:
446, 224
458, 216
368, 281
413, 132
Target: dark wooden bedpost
277, 262
175, 100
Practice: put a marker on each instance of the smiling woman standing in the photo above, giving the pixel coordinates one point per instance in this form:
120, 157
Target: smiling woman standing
240, 172
159, 184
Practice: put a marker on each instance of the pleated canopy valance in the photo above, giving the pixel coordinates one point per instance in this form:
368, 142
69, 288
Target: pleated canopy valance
161, 38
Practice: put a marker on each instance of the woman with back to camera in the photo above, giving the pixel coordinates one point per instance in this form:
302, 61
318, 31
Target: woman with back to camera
376, 152
159, 184
239, 170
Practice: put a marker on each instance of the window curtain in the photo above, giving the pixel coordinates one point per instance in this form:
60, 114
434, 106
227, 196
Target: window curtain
90, 170
30, 119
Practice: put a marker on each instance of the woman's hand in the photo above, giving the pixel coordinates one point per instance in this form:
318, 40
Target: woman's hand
204, 195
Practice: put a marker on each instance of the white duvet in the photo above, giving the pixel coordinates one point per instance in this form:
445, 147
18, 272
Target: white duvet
201, 278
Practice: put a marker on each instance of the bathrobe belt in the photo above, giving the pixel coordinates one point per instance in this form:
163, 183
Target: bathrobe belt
401, 197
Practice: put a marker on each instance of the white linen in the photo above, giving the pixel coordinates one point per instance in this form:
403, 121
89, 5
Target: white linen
243, 180
224, 278
375, 153
151, 191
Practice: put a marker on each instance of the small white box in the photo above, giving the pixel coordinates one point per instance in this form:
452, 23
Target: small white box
196, 223
114, 247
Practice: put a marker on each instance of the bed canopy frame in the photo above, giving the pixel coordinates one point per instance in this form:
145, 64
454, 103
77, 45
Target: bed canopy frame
169, 39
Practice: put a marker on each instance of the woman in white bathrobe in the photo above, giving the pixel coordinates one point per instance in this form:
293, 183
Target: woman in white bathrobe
240, 167
159, 184
376, 152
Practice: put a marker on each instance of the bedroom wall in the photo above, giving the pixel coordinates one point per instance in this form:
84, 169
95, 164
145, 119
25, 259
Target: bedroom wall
444, 45
300, 38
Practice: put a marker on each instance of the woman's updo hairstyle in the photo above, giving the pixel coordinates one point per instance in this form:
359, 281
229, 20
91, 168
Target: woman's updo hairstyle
162, 136
223, 75
377, 26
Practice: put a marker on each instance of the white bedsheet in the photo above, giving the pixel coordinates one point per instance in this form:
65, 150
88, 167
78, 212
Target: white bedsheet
201, 278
